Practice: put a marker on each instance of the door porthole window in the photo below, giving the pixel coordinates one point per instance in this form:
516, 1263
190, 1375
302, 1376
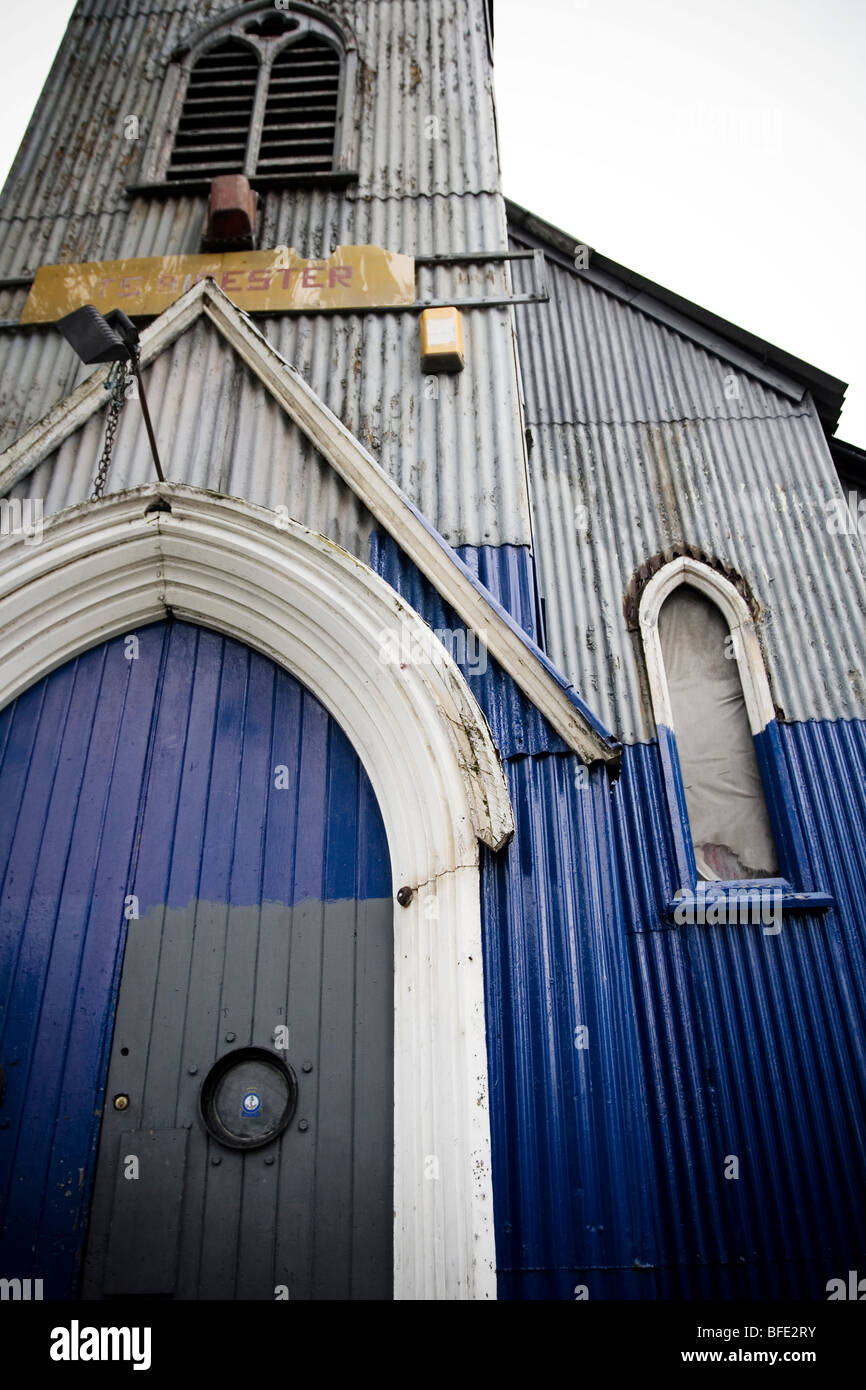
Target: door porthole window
248, 1098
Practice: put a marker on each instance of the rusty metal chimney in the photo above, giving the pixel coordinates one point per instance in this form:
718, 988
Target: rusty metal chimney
230, 224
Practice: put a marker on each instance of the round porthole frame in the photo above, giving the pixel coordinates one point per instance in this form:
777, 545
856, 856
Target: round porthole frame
207, 1097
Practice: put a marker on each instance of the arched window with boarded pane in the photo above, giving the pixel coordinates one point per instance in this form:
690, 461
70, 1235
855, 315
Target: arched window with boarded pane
710, 698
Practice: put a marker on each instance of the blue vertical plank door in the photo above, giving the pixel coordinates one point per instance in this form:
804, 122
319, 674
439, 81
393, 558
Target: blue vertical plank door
186, 830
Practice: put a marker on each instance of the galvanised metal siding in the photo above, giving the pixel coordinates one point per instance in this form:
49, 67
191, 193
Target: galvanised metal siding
455, 445
155, 776
217, 428
417, 59
457, 456
635, 448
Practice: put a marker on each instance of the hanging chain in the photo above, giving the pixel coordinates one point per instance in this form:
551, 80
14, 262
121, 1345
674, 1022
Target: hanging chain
115, 384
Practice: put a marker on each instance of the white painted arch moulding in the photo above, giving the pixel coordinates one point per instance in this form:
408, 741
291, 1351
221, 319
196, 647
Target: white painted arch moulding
105, 568
747, 648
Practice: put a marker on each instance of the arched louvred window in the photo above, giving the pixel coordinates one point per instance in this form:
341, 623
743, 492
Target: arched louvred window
300, 119
727, 810
214, 127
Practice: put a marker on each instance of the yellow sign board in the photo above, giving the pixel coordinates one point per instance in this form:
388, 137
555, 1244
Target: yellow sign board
353, 277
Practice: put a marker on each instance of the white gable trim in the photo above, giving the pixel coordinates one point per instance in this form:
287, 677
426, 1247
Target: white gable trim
104, 568
359, 470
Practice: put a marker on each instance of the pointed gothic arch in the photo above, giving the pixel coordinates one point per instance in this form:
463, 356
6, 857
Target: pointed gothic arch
106, 567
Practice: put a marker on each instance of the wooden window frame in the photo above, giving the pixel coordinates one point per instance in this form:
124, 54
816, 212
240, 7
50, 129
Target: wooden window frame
794, 884
158, 152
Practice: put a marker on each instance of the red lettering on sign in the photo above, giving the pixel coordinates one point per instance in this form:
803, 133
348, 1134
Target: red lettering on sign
126, 293
165, 283
259, 280
103, 285
224, 282
339, 275
307, 279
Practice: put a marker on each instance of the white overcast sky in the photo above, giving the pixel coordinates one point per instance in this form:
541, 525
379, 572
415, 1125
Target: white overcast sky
714, 146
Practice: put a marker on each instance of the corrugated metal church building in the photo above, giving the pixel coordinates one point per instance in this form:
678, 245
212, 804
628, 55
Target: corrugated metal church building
432, 819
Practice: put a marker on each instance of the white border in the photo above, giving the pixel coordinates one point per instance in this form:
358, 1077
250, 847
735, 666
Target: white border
747, 648
104, 568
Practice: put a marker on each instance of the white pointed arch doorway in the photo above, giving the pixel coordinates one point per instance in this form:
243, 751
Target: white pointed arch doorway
104, 568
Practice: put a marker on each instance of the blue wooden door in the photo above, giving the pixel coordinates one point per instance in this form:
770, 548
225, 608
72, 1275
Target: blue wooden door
192, 867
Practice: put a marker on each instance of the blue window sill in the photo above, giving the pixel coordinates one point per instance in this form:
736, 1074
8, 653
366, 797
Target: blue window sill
726, 900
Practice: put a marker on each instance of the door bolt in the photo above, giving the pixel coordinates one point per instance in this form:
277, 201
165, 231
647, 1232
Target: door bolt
404, 895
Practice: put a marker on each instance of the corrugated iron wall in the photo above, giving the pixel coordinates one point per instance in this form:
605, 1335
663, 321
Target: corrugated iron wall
640, 440
701, 1042
428, 183
457, 457
611, 1145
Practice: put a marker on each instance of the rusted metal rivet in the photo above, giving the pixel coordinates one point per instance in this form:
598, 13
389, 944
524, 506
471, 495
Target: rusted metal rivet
404, 895
303, 1124
121, 1102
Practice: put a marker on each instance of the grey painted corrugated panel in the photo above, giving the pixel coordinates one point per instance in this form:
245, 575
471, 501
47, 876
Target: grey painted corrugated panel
458, 454
313, 221
420, 61
216, 427
607, 497
37, 370
589, 358
427, 57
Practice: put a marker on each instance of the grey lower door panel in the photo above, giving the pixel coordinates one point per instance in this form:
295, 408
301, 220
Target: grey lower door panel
309, 1214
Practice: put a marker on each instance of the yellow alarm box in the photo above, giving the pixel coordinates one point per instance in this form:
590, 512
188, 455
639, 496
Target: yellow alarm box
441, 341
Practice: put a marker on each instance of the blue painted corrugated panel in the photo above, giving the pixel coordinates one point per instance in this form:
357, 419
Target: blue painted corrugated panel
515, 723
508, 571
703, 1042
571, 1147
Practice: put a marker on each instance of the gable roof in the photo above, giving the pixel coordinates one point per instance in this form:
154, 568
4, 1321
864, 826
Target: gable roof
772, 365
552, 694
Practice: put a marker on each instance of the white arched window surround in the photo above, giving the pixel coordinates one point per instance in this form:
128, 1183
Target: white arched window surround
796, 884
233, 24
